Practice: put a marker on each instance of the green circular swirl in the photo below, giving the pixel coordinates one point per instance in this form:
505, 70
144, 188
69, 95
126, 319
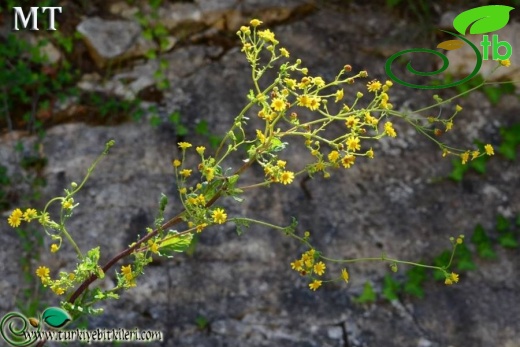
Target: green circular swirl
13, 335
445, 64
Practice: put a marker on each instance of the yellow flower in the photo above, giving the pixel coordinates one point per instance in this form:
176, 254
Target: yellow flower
287, 177
351, 121
67, 204
281, 164
183, 190
44, 219
219, 216
339, 95
315, 285
353, 143
154, 247
43, 272
297, 265
245, 30
373, 86
201, 227
284, 52
267, 35
319, 268
54, 248
29, 214
176, 163
314, 103
304, 100
449, 125
389, 129
185, 172
333, 156
475, 154
465, 157
209, 172
201, 150
489, 149
57, 290
184, 145
348, 160
127, 272
370, 153
290, 83
451, 278
505, 62
278, 104
458, 108
318, 81
344, 275
260, 136
15, 218
255, 22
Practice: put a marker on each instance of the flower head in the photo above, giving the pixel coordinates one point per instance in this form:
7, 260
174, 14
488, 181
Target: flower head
389, 129
489, 149
287, 177
353, 143
54, 248
185, 172
284, 52
348, 160
278, 104
219, 216
319, 268
373, 86
176, 163
29, 214
15, 218
339, 95
43, 272
344, 275
315, 285
505, 62
184, 145
255, 22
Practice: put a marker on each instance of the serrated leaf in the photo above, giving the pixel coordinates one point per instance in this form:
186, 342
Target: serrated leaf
56, 317
174, 242
450, 45
367, 296
483, 19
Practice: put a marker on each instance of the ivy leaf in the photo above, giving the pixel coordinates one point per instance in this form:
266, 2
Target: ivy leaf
502, 224
56, 317
465, 259
483, 19
367, 296
508, 240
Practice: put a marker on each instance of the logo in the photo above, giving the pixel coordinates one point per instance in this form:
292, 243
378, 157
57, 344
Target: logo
18, 330
479, 20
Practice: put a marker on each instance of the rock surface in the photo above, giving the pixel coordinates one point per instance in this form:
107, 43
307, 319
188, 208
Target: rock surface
243, 286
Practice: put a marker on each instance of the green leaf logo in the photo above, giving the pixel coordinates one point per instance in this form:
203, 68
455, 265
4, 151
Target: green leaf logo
483, 19
55, 317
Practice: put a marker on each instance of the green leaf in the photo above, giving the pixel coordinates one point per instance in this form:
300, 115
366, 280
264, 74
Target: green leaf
391, 288
367, 296
174, 242
464, 258
502, 224
56, 317
241, 225
202, 128
479, 164
483, 19
458, 170
481, 240
508, 240
414, 281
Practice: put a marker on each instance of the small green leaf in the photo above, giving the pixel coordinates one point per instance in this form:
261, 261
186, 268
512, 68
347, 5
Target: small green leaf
414, 281
483, 19
481, 240
391, 288
458, 170
508, 240
464, 258
56, 317
502, 224
202, 128
367, 296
